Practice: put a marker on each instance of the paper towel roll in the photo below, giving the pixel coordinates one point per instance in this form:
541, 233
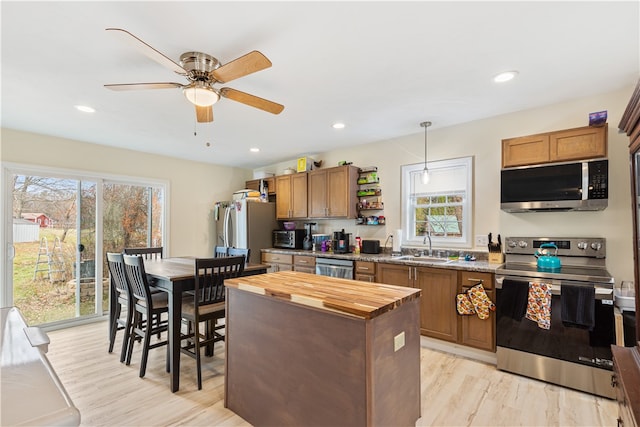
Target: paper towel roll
397, 240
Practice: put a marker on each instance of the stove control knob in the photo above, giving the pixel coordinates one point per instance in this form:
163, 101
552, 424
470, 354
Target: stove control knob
596, 246
522, 244
582, 245
512, 244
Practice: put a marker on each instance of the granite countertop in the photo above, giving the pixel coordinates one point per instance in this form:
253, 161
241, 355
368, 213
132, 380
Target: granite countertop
479, 265
360, 299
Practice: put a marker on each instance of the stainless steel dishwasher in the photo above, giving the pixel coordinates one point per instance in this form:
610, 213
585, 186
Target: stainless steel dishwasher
334, 267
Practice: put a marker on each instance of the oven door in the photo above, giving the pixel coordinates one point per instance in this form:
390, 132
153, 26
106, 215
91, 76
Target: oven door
568, 343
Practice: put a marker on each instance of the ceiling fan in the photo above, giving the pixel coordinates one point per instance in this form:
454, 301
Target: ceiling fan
203, 71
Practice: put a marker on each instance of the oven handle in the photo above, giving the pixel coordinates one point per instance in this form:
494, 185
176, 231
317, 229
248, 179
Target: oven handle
603, 293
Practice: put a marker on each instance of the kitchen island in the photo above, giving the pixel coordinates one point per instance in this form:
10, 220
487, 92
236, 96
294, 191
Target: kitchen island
312, 350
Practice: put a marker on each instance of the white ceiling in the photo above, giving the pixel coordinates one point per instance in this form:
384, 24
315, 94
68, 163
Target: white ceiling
380, 67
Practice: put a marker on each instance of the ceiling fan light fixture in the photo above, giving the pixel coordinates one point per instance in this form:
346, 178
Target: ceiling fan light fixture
201, 95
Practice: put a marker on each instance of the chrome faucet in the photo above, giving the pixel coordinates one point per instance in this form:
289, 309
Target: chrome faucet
424, 242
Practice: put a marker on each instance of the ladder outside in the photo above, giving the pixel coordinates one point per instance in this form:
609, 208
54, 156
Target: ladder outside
50, 262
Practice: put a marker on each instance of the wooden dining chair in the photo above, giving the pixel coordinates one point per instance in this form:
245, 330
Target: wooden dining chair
120, 292
146, 253
207, 304
240, 252
221, 251
147, 307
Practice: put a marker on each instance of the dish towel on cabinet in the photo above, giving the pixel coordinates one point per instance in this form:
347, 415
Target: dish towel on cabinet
539, 304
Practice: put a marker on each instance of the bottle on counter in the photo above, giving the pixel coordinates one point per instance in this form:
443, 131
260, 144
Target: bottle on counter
358, 245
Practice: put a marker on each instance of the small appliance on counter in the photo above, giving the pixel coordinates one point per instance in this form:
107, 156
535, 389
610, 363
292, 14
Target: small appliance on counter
288, 239
370, 247
341, 242
307, 243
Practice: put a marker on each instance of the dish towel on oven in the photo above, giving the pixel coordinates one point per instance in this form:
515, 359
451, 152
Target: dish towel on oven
578, 306
539, 304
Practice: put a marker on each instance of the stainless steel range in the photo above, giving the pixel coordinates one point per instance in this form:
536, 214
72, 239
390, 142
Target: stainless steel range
556, 325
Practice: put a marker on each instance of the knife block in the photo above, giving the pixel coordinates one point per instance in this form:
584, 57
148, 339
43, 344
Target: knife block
496, 258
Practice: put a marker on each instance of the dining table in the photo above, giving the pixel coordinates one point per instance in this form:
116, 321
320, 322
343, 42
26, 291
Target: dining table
175, 276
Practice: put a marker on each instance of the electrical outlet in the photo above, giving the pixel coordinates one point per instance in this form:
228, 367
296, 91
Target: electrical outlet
482, 240
398, 341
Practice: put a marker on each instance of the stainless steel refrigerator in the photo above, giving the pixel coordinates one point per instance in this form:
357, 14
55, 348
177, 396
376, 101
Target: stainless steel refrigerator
246, 224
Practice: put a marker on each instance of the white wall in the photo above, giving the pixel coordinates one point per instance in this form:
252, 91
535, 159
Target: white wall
482, 140
194, 186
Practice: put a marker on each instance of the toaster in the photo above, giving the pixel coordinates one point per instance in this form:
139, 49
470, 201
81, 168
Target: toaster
370, 247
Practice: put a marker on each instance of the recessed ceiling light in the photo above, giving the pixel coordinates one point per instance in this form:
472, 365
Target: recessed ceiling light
254, 150
338, 125
505, 77
85, 109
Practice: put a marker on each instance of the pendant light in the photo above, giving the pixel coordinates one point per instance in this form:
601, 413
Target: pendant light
425, 171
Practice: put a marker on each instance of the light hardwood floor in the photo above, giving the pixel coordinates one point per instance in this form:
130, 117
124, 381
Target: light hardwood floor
455, 391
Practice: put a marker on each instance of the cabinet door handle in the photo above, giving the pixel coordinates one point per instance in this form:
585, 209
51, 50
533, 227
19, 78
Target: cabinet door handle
363, 268
471, 279
301, 261
409, 273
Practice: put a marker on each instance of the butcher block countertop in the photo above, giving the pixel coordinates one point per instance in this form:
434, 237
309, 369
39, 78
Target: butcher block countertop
361, 299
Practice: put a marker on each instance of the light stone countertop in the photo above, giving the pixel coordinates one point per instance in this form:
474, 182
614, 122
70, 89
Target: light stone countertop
480, 265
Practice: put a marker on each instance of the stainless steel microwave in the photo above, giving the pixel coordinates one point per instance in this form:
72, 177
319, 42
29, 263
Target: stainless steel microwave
579, 186
288, 239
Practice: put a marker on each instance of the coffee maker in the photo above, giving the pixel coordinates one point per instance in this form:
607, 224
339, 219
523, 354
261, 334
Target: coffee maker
341, 242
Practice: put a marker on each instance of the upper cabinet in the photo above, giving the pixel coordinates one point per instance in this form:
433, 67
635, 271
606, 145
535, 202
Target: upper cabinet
291, 196
254, 184
571, 144
333, 192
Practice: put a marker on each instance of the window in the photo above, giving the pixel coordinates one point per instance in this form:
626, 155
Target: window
58, 275
442, 207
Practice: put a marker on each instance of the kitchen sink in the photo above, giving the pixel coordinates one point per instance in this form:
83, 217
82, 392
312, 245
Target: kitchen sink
425, 258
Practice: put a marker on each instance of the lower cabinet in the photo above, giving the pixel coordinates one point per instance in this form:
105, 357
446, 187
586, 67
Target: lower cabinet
365, 271
626, 380
304, 264
475, 332
277, 262
438, 316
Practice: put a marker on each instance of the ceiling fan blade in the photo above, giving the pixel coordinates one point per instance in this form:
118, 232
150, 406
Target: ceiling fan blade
138, 86
252, 100
240, 67
204, 114
149, 51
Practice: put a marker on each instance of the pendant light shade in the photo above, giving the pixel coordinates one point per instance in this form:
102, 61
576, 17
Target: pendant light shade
425, 171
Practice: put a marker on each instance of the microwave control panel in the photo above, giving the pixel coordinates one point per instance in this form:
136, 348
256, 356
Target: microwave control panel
598, 177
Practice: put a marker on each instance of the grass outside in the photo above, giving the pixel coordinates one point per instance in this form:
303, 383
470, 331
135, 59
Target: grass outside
42, 300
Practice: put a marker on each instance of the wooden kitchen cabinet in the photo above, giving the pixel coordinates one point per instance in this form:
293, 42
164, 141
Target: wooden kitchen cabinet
582, 143
394, 274
254, 184
438, 317
277, 262
304, 264
365, 271
291, 196
475, 332
626, 377
525, 150
333, 192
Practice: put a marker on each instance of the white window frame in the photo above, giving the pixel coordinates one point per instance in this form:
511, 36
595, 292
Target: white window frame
411, 173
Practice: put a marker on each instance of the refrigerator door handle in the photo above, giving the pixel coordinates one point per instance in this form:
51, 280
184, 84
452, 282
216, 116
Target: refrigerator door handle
227, 220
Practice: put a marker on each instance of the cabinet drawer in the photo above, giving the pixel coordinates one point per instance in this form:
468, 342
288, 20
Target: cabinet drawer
304, 261
470, 278
280, 258
365, 267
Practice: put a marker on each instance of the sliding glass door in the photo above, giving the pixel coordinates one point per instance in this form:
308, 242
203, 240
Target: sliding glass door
58, 229
54, 248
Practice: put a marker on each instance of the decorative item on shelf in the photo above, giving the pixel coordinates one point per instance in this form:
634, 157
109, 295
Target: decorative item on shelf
425, 171
598, 119
305, 164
